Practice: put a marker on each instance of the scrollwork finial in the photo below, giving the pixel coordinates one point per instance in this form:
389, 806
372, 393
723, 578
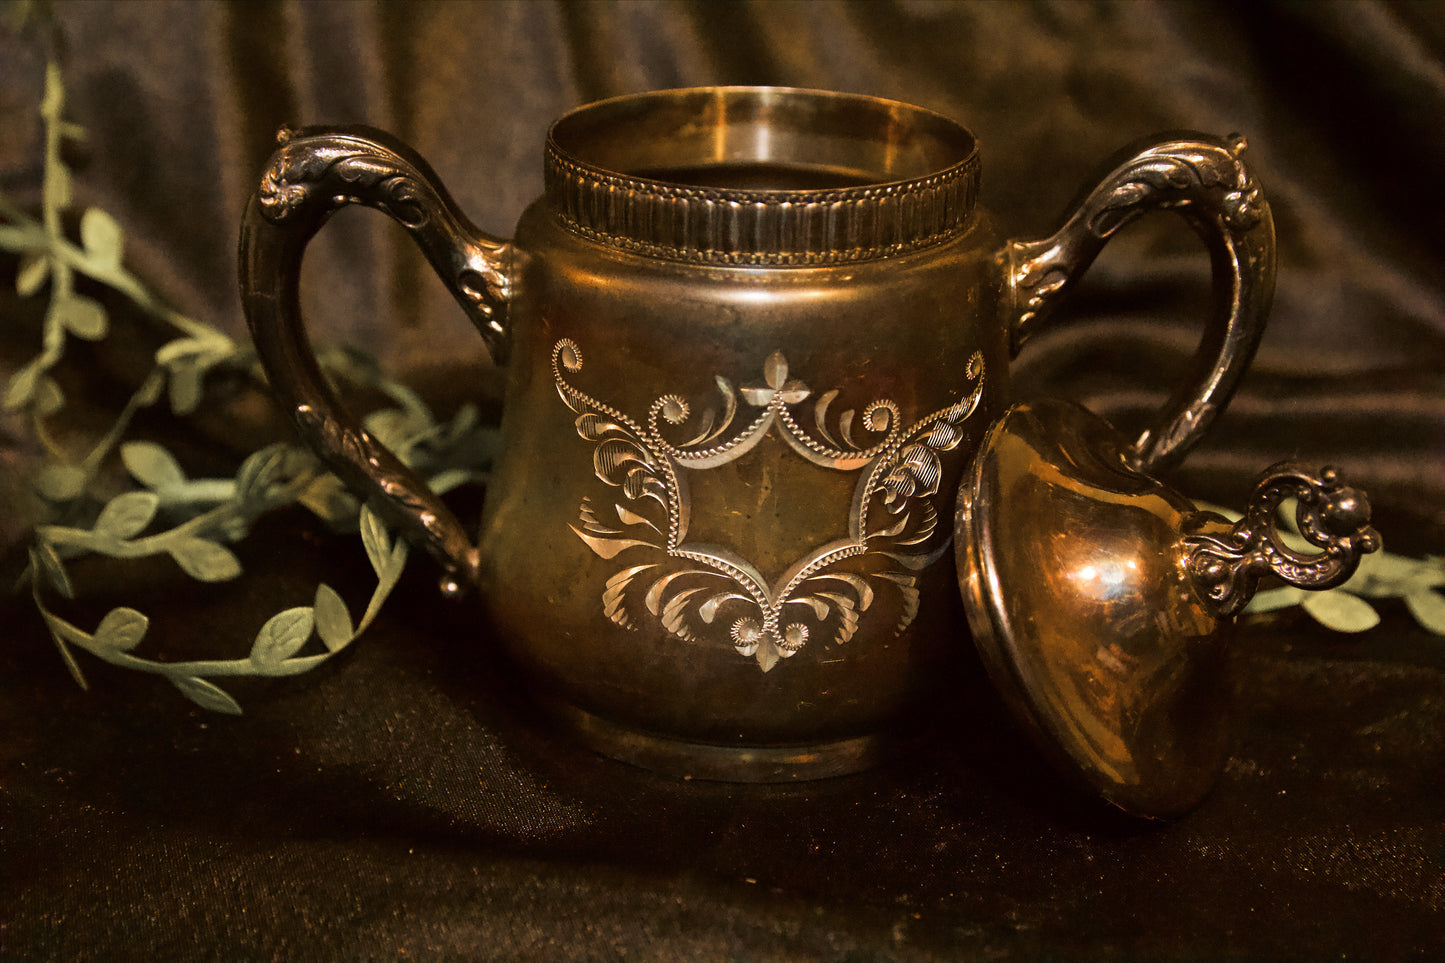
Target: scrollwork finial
1225, 570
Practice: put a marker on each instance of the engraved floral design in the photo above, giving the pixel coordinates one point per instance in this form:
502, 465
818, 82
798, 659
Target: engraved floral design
698, 591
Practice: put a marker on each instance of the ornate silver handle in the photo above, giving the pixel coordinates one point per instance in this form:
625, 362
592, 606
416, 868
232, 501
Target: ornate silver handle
310, 176
1226, 568
1207, 182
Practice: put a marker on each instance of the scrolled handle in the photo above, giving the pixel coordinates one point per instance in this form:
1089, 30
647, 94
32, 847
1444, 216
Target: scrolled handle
310, 176
1225, 569
1206, 181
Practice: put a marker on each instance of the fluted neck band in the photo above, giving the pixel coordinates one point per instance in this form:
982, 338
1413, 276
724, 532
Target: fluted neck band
750, 175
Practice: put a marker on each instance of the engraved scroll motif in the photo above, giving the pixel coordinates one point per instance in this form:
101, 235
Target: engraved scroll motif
707, 592
1330, 515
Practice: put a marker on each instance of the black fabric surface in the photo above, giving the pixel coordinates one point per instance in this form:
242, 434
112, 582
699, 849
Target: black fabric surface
405, 801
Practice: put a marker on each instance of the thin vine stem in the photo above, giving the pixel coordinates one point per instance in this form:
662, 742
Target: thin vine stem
123, 527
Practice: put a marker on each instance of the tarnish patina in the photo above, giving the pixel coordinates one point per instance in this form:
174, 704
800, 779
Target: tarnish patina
816, 264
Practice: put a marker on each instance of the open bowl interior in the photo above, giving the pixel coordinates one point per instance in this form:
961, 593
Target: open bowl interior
762, 138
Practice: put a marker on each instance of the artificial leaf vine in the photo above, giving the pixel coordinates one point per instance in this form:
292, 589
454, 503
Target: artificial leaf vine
163, 512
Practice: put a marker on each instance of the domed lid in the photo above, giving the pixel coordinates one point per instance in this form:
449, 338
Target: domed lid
1101, 601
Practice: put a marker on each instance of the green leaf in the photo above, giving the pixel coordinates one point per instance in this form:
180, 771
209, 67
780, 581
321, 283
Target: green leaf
396, 564
235, 529
333, 619
391, 572
21, 386
1386, 575
60, 483
386, 579
270, 468
445, 481
1272, 599
47, 564
375, 540
126, 516
463, 421
151, 465
62, 632
1389, 568
257, 472
172, 351
352, 364
1298, 543
204, 560
48, 398
83, 539
282, 636
393, 428
81, 316
150, 390
21, 237
188, 348
101, 237
330, 501
1341, 611
34, 269
121, 629
205, 694
186, 382
1428, 608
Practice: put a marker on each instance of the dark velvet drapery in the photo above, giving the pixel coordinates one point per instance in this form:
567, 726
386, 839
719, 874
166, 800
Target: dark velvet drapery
405, 802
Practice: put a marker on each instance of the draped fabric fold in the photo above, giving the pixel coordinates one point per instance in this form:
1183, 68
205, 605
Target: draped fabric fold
405, 801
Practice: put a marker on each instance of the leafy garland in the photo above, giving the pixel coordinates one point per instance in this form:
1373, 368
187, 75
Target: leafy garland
191, 520
204, 515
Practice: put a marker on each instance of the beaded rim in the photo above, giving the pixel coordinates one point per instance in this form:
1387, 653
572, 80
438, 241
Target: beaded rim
721, 225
